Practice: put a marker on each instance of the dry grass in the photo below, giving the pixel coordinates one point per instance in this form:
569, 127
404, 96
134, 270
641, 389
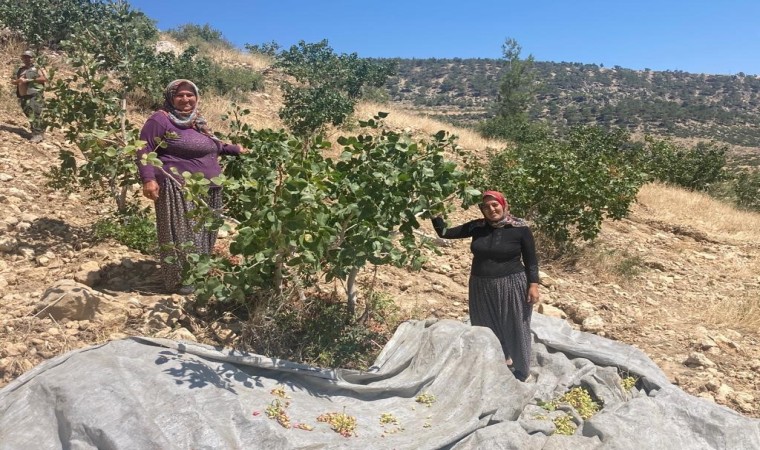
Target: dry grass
263, 111
611, 265
737, 303
710, 245
223, 55
420, 125
10, 51
736, 313
701, 212
234, 57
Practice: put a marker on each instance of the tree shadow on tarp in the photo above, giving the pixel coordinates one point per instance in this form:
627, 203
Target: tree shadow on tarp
198, 372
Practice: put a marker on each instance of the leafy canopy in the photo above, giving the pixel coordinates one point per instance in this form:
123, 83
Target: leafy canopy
327, 86
516, 94
568, 186
48, 22
303, 216
695, 168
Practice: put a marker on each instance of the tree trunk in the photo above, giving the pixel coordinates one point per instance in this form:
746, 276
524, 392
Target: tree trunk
351, 291
368, 299
121, 199
277, 277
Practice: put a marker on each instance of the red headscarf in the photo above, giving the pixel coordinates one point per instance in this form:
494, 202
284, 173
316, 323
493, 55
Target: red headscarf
508, 218
497, 195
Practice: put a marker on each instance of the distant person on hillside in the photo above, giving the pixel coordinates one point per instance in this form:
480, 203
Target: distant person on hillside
503, 278
29, 81
182, 139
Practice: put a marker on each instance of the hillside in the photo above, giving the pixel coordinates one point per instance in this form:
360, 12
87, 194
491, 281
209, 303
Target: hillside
683, 289
724, 108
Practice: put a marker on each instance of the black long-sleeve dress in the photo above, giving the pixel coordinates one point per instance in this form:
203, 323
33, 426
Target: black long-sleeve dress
504, 262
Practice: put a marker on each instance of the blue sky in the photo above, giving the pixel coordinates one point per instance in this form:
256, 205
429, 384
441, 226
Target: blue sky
701, 36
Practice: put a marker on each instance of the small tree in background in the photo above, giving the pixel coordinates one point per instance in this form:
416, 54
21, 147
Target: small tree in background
91, 109
696, 168
746, 189
516, 85
516, 94
327, 86
568, 186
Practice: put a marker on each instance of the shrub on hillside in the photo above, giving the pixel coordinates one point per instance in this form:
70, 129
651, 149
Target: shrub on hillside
695, 168
327, 85
209, 76
48, 22
134, 228
518, 131
567, 186
270, 48
194, 34
747, 190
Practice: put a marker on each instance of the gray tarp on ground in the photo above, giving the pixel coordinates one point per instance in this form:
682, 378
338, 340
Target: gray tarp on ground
158, 394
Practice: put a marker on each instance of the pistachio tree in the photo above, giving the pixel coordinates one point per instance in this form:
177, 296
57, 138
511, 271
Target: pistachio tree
111, 60
325, 86
304, 217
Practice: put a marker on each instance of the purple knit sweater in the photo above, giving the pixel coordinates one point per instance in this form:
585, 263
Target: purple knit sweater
191, 152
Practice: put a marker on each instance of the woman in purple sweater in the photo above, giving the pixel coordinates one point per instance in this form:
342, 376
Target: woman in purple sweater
181, 138
503, 278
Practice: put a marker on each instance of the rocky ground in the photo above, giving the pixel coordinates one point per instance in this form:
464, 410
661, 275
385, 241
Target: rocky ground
645, 282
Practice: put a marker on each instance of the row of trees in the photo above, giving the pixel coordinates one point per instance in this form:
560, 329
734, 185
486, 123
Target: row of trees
600, 168
670, 103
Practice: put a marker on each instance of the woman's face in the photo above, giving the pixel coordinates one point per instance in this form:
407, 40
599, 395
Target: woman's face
492, 209
184, 99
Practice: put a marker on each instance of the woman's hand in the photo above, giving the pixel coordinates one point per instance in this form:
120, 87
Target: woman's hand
243, 150
150, 190
533, 297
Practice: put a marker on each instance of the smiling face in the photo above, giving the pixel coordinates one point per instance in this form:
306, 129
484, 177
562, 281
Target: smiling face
184, 99
492, 209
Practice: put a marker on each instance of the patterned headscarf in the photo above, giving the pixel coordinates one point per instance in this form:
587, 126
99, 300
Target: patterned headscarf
183, 120
507, 219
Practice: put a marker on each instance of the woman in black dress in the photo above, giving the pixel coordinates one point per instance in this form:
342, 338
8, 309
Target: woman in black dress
503, 278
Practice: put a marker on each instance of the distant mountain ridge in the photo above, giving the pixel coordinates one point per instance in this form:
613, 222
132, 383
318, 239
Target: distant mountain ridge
724, 108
